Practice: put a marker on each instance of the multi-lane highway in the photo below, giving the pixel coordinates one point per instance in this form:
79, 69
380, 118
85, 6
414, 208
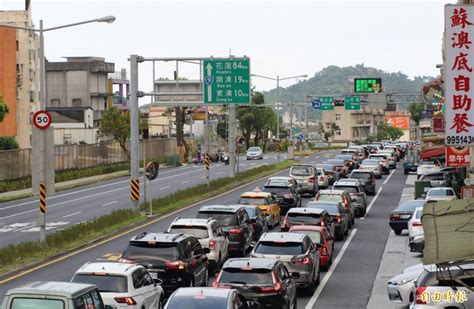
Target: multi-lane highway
347, 284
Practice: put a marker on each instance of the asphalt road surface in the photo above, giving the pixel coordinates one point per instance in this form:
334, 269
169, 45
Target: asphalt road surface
347, 284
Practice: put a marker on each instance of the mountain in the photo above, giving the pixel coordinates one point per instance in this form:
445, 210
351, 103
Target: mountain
339, 80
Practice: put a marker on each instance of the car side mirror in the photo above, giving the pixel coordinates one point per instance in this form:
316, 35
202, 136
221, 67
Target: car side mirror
206, 250
158, 281
295, 276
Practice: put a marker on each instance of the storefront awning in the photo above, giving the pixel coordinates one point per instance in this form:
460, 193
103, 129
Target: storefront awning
432, 152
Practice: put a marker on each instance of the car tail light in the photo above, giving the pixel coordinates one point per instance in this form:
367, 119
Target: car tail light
235, 231
275, 288
265, 208
394, 217
212, 244
419, 297
288, 195
175, 265
414, 224
346, 204
330, 173
215, 283
311, 179
303, 261
324, 251
125, 300
338, 218
127, 261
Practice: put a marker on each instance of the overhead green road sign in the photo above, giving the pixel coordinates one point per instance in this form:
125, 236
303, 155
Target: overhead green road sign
352, 103
227, 81
326, 103
367, 84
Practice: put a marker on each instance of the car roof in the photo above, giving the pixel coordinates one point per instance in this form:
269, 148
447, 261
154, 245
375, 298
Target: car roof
282, 236
331, 192
307, 228
192, 221
48, 288
250, 263
360, 171
114, 268
304, 210
255, 194
280, 178
324, 202
158, 237
440, 188
347, 182
220, 208
203, 291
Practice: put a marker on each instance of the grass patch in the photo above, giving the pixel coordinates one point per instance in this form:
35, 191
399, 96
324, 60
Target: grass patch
17, 255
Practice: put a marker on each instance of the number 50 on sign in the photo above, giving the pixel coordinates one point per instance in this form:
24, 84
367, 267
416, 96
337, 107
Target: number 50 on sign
42, 119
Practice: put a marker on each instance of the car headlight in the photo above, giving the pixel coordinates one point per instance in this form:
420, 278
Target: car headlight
419, 237
402, 282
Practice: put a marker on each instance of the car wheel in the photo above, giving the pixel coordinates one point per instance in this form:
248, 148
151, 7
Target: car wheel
352, 222
310, 288
397, 232
405, 172
160, 304
318, 279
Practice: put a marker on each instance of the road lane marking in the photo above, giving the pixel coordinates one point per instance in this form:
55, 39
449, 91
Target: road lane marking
328, 275
141, 226
110, 203
411, 180
186, 181
219, 173
372, 203
386, 180
164, 188
73, 214
203, 177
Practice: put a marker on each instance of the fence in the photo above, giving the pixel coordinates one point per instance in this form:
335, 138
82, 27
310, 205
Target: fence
15, 164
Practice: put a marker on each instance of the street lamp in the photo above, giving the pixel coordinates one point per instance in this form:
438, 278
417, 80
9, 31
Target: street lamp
278, 79
40, 143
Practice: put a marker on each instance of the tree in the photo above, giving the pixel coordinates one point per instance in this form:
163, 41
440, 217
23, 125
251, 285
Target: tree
415, 110
116, 124
386, 132
329, 130
4, 110
180, 119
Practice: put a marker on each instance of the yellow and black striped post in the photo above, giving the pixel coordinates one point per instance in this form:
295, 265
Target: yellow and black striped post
206, 164
42, 198
278, 147
135, 189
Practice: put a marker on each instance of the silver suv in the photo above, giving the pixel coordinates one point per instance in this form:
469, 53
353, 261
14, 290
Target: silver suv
209, 234
296, 251
307, 177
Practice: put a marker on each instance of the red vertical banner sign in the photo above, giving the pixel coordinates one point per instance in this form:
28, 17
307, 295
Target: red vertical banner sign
459, 33
457, 156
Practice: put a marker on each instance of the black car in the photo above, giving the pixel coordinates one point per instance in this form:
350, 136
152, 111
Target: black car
339, 217
206, 298
409, 166
286, 196
366, 179
235, 222
177, 259
266, 281
349, 160
258, 219
399, 217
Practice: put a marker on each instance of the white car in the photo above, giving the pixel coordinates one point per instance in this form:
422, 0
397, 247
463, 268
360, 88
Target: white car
426, 167
122, 285
441, 194
323, 179
372, 165
416, 236
209, 234
400, 289
254, 153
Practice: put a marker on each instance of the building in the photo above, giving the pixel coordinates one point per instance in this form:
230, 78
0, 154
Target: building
352, 124
402, 121
19, 66
73, 125
119, 90
79, 82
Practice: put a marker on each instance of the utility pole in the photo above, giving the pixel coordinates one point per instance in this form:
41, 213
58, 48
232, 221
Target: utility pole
134, 139
278, 115
231, 139
206, 135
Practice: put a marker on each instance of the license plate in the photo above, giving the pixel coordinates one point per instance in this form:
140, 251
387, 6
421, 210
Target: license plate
405, 216
154, 275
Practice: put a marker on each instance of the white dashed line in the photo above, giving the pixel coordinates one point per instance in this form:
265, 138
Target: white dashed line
372, 203
73, 214
164, 188
110, 203
386, 180
186, 181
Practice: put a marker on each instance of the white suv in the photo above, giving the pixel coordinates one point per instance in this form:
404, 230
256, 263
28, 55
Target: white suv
210, 235
122, 285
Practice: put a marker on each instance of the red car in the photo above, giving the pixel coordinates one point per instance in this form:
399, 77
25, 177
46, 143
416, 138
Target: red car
320, 237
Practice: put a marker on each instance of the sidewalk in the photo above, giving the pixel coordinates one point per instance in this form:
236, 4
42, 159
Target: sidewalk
395, 259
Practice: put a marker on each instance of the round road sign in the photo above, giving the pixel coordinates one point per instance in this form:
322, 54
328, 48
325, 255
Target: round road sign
42, 119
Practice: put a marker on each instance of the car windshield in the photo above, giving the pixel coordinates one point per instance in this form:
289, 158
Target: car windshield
427, 162
247, 276
336, 162
196, 231
419, 212
254, 149
106, 283
411, 205
330, 197
301, 171
282, 182
314, 235
143, 251
252, 211
360, 175
279, 248
277, 190
253, 200
348, 189
343, 157
36, 303
330, 208
326, 167
197, 302
441, 192
308, 218
224, 218
370, 162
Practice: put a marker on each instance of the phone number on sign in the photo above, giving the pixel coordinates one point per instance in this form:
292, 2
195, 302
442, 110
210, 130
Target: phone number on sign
456, 140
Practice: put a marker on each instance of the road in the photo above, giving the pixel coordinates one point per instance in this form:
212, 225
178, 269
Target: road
19, 219
347, 284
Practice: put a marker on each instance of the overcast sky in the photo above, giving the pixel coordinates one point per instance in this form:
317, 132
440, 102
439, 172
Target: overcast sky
283, 38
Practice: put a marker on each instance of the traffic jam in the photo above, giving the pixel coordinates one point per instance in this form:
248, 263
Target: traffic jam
272, 245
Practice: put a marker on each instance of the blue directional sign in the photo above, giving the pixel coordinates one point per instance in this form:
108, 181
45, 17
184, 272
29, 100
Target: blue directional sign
300, 138
316, 103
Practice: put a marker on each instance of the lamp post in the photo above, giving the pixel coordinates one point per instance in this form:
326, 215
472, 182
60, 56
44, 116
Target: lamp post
278, 103
41, 145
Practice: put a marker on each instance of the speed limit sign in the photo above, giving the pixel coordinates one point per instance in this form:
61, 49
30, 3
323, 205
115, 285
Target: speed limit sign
42, 119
